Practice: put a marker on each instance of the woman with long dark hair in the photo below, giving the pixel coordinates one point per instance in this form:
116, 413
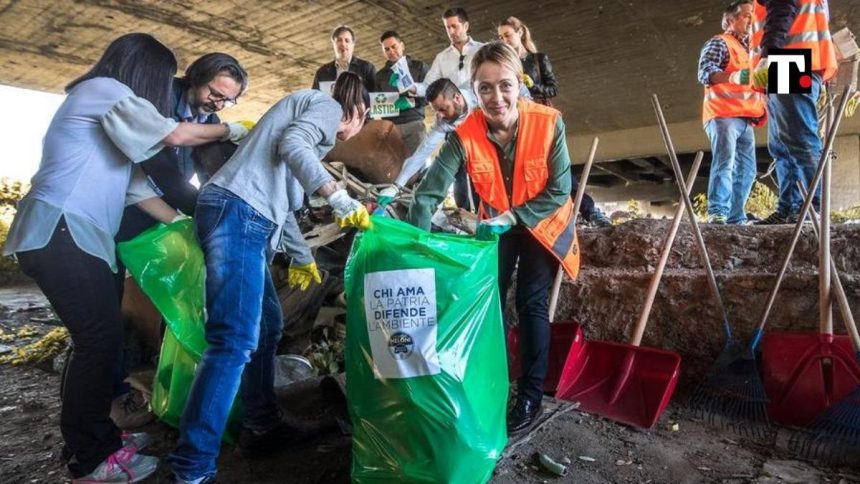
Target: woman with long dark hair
113, 117
540, 79
242, 214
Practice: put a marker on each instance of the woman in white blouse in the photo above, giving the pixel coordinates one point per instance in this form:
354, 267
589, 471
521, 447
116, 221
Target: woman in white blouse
114, 116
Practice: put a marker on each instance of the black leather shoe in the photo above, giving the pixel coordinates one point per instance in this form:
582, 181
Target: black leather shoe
254, 443
523, 416
776, 218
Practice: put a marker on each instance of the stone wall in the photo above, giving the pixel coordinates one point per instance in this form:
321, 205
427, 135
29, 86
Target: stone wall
618, 263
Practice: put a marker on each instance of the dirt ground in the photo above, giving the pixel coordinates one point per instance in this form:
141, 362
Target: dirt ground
678, 449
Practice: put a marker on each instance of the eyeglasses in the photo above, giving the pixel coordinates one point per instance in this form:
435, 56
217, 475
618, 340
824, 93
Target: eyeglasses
217, 97
462, 58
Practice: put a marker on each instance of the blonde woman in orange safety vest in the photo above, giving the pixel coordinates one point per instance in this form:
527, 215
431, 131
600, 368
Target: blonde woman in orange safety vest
730, 110
515, 152
793, 129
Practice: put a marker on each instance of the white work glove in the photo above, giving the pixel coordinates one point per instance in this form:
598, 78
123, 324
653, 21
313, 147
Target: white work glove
741, 77
237, 130
180, 216
387, 195
496, 225
348, 212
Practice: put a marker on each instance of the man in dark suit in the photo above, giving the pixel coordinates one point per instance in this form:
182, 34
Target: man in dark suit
411, 121
343, 43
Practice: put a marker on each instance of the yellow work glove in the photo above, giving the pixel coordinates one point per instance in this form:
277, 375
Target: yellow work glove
348, 212
248, 124
852, 105
301, 276
528, 81
238, 130
759, 76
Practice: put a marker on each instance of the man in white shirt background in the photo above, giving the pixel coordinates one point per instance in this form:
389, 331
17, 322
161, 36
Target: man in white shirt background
454, 62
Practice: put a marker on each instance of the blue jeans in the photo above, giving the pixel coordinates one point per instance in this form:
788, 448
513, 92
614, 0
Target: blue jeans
243, 327
732, 167
794, 144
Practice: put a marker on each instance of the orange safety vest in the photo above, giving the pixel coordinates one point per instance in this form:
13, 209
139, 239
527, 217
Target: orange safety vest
810, 30
535, 137
727, 100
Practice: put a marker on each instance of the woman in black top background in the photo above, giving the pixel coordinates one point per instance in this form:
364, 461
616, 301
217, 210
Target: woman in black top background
536, 66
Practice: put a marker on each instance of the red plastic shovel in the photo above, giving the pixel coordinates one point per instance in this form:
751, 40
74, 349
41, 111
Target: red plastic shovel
626, 382
806, 373
565, 336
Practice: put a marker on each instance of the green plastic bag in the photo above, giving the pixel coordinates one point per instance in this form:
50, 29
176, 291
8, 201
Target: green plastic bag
167, 263
425, 356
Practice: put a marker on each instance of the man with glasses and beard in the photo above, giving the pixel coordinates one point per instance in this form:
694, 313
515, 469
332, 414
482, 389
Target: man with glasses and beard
211, 83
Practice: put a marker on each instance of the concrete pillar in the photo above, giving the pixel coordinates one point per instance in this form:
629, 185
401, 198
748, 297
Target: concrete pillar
845, 184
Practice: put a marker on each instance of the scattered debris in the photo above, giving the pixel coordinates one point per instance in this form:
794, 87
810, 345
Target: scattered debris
326, 355
45, 349
623, 462
292, 368
790, 471
587, 458
550, 465
692, 21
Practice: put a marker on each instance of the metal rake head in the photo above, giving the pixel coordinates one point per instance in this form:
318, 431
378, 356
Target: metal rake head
834, 436
733, 397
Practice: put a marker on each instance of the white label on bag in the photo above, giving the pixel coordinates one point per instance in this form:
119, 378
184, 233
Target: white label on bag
400, 307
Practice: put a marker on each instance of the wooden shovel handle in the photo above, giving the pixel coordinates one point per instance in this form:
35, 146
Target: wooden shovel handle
841, 298
577, 201
636, 339
700, 241
804, 210
825, 282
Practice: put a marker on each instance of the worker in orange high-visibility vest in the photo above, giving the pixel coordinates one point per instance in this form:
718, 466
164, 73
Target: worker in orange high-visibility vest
793, 139
730, 110
515, 152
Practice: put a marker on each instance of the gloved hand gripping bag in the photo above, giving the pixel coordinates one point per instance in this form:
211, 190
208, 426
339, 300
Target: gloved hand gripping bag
425, 356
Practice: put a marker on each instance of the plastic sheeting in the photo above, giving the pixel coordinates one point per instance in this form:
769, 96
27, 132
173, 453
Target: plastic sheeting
425, 356
167, 263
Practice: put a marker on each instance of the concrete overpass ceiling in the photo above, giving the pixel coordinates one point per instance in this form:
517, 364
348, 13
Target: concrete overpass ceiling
608, 55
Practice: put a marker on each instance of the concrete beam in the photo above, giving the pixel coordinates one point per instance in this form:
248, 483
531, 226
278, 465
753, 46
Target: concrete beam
687, 137
845, 182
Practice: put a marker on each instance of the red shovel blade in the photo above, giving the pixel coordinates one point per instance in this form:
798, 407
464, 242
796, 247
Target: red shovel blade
565, 337
806, 373
626, 383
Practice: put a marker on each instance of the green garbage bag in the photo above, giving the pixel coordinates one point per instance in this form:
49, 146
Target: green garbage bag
167, 263
426, 366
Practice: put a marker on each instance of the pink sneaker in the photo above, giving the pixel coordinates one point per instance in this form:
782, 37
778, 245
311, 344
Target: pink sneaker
138, 440
124, 465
